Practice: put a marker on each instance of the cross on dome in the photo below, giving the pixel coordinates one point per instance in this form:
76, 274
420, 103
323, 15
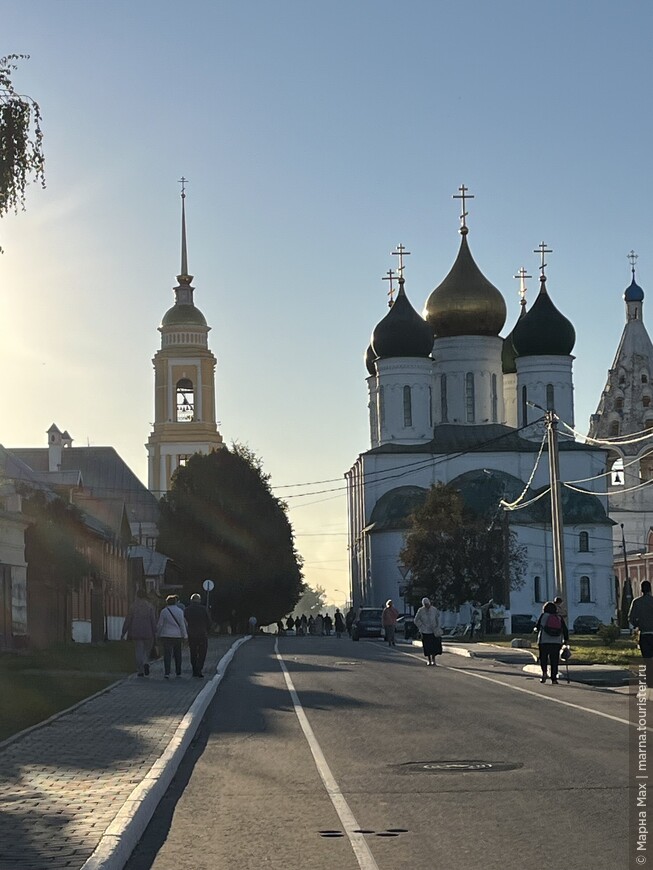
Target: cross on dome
542, 250
463, 195
183, 181
522, 284
390, 275
401, 252
633, 257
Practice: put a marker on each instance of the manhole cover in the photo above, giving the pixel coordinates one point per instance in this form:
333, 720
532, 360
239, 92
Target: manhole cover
458, 766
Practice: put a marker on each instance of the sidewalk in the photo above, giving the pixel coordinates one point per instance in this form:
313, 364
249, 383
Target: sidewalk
78, 791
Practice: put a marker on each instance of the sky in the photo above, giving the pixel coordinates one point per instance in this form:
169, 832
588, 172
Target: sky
316, 137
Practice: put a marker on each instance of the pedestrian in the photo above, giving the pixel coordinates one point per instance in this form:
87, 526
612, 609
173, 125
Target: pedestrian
486, 620
475, 620
339, 623
427, 620
319, 625
171, 628
328, 624
349, 619
551, 634
311, 624
389, 619
140, 626
290, 623
303, 623
640, 617
251, 625
198, 625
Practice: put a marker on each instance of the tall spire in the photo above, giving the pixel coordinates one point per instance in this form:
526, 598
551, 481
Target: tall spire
183, 277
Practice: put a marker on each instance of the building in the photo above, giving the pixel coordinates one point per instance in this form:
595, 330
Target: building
450, 400
184, 384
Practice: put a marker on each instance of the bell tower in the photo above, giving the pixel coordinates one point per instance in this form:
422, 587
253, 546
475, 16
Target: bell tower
184, 383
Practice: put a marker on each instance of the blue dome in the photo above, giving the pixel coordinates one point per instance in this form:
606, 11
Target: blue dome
634, 293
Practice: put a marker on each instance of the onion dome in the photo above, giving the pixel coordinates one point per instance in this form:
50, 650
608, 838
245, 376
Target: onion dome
543, 330
465, 303
508, 353
183, 315
370, 356
634, 292
402, 332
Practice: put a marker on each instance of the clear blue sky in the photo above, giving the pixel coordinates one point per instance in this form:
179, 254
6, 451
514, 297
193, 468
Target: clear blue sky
316, 137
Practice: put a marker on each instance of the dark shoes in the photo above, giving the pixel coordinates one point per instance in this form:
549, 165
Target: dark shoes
146, 669
543, 679
554, 681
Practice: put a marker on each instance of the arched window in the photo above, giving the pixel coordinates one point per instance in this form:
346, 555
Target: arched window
444, 410
646, 401
524, 406
614, 429
644, 378
585, 590
537, 589
494, 399
550, 401
469, 397
619, 404
185, 401
408, 408
430, 407
584, 542
381, 408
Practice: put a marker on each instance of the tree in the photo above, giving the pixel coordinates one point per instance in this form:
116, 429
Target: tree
220, 521
312, 601
21, 140
456, 555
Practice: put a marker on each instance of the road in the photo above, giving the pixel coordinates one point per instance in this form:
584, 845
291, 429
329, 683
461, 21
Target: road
366, 742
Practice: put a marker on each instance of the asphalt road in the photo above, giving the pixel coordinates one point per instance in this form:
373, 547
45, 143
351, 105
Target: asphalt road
464, 766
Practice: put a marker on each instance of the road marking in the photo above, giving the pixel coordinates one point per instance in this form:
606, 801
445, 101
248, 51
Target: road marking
530, 692
350, 825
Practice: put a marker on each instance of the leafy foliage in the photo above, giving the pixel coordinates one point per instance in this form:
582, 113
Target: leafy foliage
221, 521
51, 542
455, 555
21, 140
312, 601
609, 633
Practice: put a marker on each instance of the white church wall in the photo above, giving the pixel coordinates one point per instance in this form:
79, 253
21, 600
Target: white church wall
538, 374
404, 400
457, 357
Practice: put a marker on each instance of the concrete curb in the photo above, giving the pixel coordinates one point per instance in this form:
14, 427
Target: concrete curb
120, 838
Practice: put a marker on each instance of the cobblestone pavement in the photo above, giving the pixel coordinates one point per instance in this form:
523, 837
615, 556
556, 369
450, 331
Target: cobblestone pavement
61, 785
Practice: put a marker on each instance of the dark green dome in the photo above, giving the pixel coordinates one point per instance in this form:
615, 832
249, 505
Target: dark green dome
183, 315
465, 303
394, 508
543, 330
508, 353
402, 332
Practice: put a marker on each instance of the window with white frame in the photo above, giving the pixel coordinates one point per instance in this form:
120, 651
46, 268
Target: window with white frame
408, 408
585, 590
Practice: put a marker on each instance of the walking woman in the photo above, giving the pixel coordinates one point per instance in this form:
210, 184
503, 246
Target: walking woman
552, 632
171, 628
140, 626
427, 620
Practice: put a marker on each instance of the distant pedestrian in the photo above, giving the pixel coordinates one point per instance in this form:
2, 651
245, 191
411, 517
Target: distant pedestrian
339, 623
171, 628
280, 629
140, 626
303, 624
349, 619
486, 619
427, 620
251, 625
328, 624
551, 634
389, 619
319, 625
640, 617
290, 624
198, 625
311, 624
475, 620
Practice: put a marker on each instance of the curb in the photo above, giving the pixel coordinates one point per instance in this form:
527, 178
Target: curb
120, 838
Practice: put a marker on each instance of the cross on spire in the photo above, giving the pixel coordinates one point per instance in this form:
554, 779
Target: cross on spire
522, 284
401, 252
390, 275
633, 257
542, 250
463, 195
183, 181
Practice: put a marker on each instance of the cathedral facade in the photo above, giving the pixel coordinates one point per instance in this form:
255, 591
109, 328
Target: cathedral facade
452, 401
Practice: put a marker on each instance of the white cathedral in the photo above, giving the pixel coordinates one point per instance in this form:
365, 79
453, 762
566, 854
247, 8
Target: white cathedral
452, 401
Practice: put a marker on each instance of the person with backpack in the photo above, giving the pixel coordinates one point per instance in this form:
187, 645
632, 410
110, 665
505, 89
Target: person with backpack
551, 634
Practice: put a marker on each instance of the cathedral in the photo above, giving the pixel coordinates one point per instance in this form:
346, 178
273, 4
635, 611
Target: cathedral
452, 401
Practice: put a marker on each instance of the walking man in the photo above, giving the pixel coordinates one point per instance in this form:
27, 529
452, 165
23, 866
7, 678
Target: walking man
198, 624
640, 616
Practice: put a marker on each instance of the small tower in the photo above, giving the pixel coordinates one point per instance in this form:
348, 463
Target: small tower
184, 383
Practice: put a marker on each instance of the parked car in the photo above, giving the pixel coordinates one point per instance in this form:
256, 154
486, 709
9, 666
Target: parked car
522, 623
587, 624
406, 626
367, 623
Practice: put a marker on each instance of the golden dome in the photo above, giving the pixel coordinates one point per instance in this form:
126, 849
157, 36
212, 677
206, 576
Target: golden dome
465, 303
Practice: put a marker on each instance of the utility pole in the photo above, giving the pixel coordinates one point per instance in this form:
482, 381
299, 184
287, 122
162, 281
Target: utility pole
626, 594
557, 523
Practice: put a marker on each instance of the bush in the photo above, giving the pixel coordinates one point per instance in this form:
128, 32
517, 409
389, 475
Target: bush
609, 633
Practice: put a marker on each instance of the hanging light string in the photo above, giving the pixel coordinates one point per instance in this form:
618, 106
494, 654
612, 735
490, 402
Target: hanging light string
611, 442
620, 492
606, 473
515, 506
511, 505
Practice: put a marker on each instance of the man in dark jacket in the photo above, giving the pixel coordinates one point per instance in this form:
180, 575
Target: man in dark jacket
199, 624
641, 616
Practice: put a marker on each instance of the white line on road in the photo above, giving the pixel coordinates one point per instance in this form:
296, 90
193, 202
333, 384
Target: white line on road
361, 849
530, 692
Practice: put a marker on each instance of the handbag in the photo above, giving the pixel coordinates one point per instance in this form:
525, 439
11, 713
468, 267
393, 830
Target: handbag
565, 654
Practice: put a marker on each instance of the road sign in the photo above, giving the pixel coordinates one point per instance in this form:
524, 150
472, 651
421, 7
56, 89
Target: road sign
208, 585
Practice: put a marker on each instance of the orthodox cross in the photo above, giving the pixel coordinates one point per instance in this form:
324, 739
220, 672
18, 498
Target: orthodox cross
401, 252
633, 257
463, 195
542, 250
390, 277
183, 181
522, 284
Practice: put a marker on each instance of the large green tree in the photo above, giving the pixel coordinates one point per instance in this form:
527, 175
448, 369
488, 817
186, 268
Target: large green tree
456, 555
221, 521
21, 140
